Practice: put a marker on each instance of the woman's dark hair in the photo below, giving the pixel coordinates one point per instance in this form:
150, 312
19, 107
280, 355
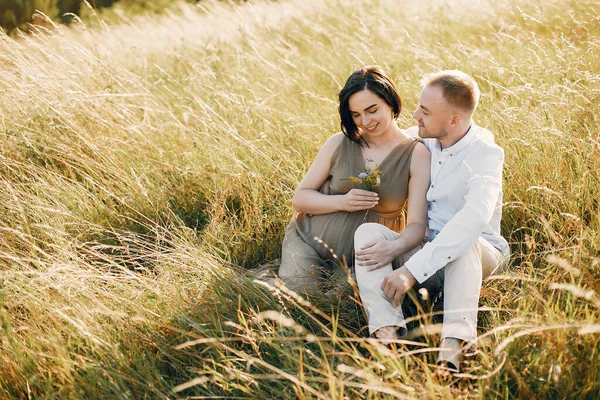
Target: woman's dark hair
373, 78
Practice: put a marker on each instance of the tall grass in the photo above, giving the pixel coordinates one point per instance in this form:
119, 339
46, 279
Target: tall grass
146, 165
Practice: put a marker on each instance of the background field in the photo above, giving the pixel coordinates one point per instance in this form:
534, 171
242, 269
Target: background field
146, 164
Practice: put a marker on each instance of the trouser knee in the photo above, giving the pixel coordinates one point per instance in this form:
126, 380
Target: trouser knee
367, 232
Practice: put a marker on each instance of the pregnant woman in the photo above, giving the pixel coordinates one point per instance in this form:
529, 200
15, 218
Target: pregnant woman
330, 207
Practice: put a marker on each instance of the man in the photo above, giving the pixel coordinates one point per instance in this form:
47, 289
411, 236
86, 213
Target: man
463, 243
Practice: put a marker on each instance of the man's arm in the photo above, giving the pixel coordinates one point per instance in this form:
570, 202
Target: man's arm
463, 230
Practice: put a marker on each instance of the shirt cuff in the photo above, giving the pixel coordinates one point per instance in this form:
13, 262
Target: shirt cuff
415, 268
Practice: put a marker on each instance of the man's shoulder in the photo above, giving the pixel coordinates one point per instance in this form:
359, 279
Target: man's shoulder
485, 142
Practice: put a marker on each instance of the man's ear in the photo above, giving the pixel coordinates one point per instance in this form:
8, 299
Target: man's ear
456, 119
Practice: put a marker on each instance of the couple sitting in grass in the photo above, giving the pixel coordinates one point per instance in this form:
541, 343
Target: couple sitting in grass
431, 218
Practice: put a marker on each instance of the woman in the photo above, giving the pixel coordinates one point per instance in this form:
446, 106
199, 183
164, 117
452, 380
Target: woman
321, 235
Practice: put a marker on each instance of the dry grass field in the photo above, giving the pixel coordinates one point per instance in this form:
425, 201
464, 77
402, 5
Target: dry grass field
147, 163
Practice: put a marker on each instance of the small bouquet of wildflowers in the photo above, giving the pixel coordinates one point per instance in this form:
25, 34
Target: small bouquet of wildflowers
369, 179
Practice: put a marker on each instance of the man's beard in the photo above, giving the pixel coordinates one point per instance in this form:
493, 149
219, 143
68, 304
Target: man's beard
428, 135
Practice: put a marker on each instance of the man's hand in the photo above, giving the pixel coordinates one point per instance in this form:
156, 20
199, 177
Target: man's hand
376, 254
397, 283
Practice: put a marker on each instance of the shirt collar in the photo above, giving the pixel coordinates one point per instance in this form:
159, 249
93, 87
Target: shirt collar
463, 142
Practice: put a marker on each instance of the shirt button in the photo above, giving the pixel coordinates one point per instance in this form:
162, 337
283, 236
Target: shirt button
440, 162
432, 186
449, 258
425, 274
434, 201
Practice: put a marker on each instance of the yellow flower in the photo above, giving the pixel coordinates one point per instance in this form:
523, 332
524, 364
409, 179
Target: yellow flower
369, 179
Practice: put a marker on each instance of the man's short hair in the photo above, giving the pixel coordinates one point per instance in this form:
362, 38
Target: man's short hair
458, 88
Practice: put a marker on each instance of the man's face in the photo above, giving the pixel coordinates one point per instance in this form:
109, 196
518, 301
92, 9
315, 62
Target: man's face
433, 114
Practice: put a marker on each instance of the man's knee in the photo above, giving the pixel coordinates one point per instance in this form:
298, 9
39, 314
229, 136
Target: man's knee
474, 252
493, 261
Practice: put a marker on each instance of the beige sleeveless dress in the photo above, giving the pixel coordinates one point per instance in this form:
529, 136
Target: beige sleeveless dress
318, 244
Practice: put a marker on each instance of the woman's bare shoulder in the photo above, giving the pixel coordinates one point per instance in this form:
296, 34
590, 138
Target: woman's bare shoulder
336, 138
334, 141
421, 157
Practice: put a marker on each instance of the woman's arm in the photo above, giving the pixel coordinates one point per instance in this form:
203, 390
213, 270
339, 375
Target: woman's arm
416, 216
307, 197
381, 252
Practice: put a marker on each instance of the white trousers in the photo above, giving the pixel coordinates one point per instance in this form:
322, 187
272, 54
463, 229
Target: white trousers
461, 282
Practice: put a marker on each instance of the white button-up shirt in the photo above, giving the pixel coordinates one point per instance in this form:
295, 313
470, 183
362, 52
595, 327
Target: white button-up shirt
465, 200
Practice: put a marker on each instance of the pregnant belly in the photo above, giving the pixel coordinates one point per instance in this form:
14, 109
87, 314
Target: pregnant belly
331, 234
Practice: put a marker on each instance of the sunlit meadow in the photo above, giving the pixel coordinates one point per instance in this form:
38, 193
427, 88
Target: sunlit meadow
148, 162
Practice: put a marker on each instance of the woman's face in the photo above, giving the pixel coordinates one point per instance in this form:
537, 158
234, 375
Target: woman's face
371, 114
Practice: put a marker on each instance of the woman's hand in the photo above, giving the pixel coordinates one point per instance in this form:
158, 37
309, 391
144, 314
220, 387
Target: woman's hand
376, 254
359, 199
